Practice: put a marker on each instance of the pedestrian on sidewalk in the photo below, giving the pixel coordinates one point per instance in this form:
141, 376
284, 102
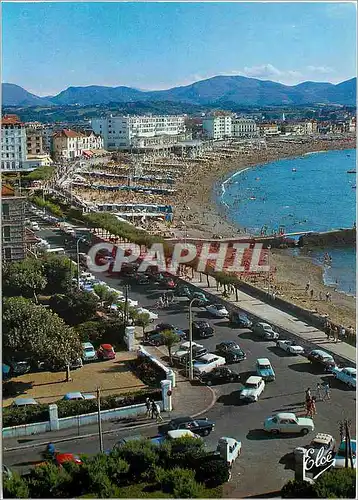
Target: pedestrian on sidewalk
308, 286
313, 406
335, 334
153, 408
148, 406
308, 395
326, 392
157, 414
309, 408
319, 391
320, 296
311, 293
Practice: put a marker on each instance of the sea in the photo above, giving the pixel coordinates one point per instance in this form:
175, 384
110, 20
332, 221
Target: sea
313, 192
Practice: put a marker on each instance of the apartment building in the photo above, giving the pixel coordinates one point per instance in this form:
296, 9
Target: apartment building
268, 129
34, 141
125, 132
13, 241
244, 128
218, 126
13, 144
69, 144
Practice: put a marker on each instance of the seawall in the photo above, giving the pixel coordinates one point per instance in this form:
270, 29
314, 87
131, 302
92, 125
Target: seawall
341, 237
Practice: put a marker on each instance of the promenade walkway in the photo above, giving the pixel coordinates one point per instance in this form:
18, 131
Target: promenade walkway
279, 318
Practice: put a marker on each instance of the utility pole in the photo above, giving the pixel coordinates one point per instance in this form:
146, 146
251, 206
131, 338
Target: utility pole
99, 420
191, 339
126, 289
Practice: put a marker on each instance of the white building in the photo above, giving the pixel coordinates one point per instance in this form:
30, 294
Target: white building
244, 127
124, 132
13, 144
218, 126
69, 144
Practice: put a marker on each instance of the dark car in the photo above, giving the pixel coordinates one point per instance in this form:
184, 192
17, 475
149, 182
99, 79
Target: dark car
219, 375
167, 326
202, 329
181, 357
201, 426
240, 320
19, 367
322, 359
142, 279
126, 440
156, 338
231, 351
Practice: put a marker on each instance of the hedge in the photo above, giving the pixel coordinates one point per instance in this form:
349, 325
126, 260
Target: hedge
147, 371
12, 416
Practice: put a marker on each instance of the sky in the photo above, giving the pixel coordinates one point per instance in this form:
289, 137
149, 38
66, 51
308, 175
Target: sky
48, 47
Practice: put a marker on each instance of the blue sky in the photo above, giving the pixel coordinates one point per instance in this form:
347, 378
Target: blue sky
48, 47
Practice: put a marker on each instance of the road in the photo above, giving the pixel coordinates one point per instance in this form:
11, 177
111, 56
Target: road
262, 465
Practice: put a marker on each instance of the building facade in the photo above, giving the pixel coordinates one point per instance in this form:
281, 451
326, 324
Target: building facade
218, 126
13, 144
268, 129
244, 128
34, 142
69, 144
13, 225
123, 132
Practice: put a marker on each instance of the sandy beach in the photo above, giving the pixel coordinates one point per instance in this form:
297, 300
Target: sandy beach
196, 206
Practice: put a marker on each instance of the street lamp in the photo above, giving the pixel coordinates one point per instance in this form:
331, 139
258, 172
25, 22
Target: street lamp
268, 288
191, 339
78, 260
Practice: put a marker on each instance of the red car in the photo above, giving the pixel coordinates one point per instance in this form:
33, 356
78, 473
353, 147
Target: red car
106, 351
61, 458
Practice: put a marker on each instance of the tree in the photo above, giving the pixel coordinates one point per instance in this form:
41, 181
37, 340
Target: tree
170, 338
36, 331
212, 472
75, 307
106, 296
91, 331
143, 320
334, 483
24, 278
15, 487
50, 481
59, 271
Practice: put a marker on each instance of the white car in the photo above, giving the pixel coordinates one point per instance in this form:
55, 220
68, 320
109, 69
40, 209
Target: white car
290, 346
288, 423
254, 387
131, 303
152, 316
347, 375
217, 310
207, 363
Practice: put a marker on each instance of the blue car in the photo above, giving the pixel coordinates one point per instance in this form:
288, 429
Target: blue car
264, 369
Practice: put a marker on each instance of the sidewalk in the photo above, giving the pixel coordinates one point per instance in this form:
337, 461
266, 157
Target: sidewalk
279, 318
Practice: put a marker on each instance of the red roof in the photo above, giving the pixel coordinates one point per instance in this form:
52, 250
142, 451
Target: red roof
10, 120
106, 347
68, 133
7, 190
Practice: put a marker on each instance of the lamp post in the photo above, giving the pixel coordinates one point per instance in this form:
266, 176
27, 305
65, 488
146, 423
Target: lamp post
268, 288
191, 339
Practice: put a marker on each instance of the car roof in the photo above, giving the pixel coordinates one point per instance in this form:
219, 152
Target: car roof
350, 369
209, 356
324, 354
322, 438
263, 324
178, 433
253, 380
202, 323
73, 395
228, 342
106, 346
285, 415
25, 401
263, 361
87, 344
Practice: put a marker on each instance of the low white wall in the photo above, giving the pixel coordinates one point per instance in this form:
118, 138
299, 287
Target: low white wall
74, 421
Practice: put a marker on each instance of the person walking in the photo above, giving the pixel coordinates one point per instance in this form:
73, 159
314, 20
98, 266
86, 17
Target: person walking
308, 394
148, 406
326, 392
153, 408
157, 413
313, 406
307, 286
320, 296
311, 293
335, 334
319, 391
309, 408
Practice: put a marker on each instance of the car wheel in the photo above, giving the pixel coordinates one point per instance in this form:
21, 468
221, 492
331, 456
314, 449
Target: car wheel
206, 432
335, 375
304, 432
232, 379
209, 382
275, 431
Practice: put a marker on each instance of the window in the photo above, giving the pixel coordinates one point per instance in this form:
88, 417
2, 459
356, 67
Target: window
6, 233
7, 253
5, 210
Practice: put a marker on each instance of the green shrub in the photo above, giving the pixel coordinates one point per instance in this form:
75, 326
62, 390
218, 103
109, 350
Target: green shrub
50, 481
212, 472
179, 482
147, 371
91, 331
24, 415
141, 456
336, 483
15, 487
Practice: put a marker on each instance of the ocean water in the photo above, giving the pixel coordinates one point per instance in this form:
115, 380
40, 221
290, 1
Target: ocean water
311, 193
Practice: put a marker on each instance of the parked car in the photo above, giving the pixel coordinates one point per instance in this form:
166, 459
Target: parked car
290, 346
23, 402
18, 367
231, 351
142, 279
240, 320
322, 359
61, 458
88, 352
207, 363
265, 331
202, 329
156, 338
77, 396
253, 388
201, 426
217, 310
152, 316
288, 423
229, 449
220, 375
181, 356
347, 375
325, 441
167, 326
6, 472
264, 369
340, 458
105, 352
127, 439
201, 299
175, 434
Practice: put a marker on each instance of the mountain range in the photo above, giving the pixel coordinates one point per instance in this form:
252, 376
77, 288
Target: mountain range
218, 89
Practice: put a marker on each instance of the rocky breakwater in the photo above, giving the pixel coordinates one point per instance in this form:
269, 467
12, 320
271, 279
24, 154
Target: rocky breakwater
341, 237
